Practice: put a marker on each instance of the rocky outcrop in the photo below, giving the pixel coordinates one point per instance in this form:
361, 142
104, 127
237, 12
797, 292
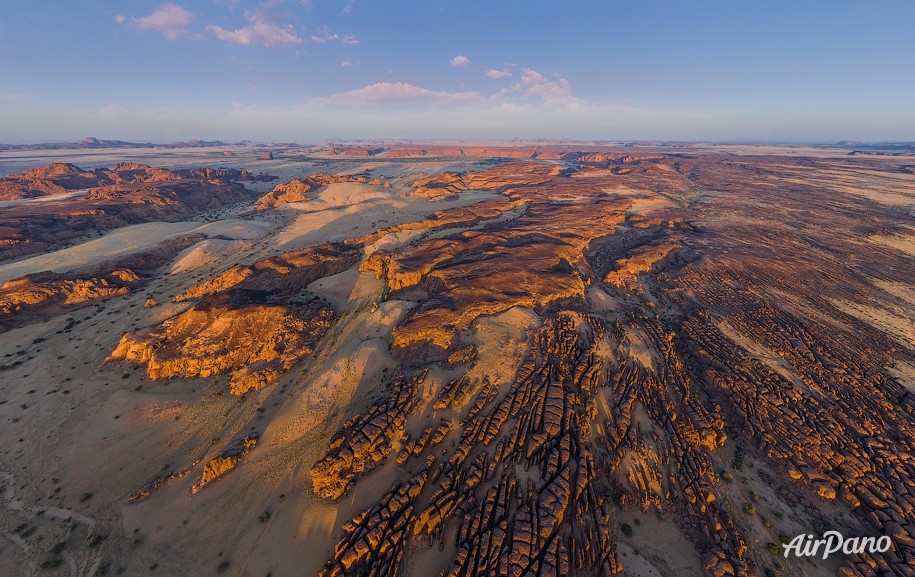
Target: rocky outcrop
295, 190
366, 440
643, 260
59, 178
56, 178
226, 333
225, 461
105, 199
530, 262
244, 324
666, 329
281, 275
552, 516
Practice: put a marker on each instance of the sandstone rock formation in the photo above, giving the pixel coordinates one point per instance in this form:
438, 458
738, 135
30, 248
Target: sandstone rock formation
226, 333
225, 461
296, 189
105, 199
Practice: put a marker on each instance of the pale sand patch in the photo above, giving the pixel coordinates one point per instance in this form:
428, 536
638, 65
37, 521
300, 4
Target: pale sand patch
351, 209
117, 243
381, 320
634, 565
894, 321
159, 412
353, 357
502, 341
600, 300
163, 311
344, 194
336, 380
901, 290
50, 197
205, 253
638, 348
662, 548
315, 228
904, 372
237, 229
348, 288
900, 242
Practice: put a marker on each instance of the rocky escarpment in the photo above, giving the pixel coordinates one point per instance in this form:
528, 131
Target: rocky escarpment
244, 324
60, 178
254, 342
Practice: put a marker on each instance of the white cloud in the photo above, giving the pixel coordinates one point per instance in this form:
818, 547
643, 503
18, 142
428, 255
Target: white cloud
348, 9
259, 31
497, 74
120, 18
460, 60
323, 34
351, 40
112, 112
170, 19
346, 63
536, 86
398, 94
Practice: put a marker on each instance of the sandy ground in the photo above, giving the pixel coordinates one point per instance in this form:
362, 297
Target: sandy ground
117, 243
67, 195
904, 243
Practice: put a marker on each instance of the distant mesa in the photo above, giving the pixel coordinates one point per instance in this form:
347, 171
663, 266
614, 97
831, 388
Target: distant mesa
569, 153
62, 178
92, 142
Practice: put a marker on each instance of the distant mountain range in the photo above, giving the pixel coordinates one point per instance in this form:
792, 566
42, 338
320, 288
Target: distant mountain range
90, 142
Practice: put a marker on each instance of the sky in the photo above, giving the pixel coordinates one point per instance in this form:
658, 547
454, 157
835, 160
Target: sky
312, 70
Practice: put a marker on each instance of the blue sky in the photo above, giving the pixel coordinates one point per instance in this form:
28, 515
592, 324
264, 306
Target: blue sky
306, 70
